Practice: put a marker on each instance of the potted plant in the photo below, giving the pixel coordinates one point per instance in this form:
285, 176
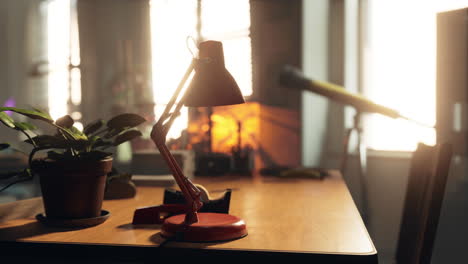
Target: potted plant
73, 171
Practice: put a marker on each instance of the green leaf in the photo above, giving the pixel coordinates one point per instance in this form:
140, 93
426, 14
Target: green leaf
7, 120
49, 141
42, 112
113, 133
75, 133
29, 113
65, 121
92, 140
24, 126
126, 136
4, 146
102, 143
79, 134
127, 120
93, 127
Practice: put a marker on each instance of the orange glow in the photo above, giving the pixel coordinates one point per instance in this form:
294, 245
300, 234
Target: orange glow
270, 134
225, 127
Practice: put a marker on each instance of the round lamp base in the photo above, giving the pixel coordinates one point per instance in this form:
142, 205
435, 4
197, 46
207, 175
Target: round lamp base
210, 227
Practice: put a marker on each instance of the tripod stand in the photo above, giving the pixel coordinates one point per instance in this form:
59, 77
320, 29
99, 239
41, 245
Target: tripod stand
361, 151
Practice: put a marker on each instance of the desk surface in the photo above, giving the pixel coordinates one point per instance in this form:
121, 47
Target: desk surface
295, 217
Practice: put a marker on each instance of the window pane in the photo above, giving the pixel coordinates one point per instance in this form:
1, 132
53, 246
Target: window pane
238, 59
220, 18
229, 21
226, 21
58, 53
399, 70
171, 23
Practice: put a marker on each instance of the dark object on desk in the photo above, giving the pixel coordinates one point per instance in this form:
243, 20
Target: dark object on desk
74, 222
219, 205
212, 164
242, 159
174, 203
288, 172
119, 189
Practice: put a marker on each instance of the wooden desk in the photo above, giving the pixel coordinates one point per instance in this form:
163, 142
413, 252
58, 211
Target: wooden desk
287, 219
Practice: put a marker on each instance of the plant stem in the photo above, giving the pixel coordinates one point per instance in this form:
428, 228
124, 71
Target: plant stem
29, 137
31, 155
15, 182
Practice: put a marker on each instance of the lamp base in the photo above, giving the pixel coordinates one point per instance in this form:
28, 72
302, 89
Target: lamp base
211, 227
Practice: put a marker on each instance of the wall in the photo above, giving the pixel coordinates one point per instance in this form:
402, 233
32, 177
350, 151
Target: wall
21, 46
115, 60
276, 41
314, 64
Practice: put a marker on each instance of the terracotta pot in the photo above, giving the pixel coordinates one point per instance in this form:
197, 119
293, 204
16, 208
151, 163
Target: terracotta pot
73, 189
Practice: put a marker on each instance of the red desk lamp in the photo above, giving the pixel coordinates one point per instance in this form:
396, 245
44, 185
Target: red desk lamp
212, 85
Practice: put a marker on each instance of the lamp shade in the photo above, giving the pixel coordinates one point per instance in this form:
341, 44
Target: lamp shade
212, 84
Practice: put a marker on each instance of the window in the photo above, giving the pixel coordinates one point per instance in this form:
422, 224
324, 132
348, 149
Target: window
63, 57
173, 21
399, 56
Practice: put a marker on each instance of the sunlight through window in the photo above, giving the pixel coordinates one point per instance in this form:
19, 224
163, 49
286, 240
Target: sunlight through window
63, 54
58, 53
173, 21
400, 69
232, 27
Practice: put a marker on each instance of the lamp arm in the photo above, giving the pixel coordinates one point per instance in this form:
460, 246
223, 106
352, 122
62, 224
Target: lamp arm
172, 117
189, 190
158, 135
173, 99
